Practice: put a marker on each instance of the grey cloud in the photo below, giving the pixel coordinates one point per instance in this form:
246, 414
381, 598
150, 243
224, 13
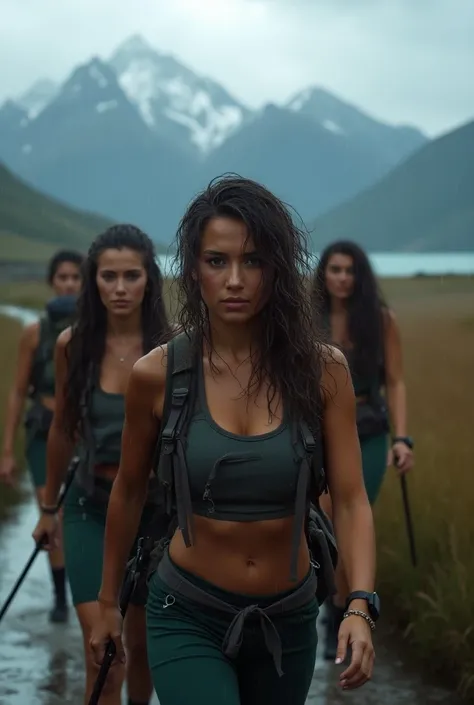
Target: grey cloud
402, 60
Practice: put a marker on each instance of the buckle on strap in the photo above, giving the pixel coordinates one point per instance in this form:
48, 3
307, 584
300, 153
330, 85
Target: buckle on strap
307, 438
168, 433
178, 397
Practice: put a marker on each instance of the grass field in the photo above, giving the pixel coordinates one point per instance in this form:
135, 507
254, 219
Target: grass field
17, 248
434, 600
432, 603
9, 334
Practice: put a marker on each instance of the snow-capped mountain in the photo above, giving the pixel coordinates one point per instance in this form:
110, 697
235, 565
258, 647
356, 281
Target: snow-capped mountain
90, 148
37, 97
134, 137
168, 93
341, 118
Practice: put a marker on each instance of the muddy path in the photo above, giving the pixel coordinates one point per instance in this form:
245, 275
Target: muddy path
41, 664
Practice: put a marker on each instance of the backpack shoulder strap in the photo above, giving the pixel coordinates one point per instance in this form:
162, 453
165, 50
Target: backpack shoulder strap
178, 382
314, 450
41, 354
179, 403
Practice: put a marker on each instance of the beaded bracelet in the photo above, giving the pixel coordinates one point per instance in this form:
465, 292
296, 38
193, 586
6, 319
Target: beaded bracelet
359, 613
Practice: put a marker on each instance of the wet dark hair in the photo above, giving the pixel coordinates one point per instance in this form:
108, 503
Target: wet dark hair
86, 348
288, 353
366, 307
59, 258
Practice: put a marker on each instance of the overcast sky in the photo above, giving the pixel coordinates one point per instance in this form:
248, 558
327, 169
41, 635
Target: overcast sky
406, 61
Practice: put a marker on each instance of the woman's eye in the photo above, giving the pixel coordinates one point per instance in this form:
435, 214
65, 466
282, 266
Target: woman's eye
215, 261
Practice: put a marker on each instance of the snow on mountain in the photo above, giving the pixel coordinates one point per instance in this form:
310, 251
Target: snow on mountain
166, 91
340, 117
37, 97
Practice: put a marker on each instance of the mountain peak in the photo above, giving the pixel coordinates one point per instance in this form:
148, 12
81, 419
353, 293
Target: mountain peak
172, 99
135, 44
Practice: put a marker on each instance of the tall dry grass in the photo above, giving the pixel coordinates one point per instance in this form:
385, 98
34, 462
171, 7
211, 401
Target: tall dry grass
434, 601
10, 332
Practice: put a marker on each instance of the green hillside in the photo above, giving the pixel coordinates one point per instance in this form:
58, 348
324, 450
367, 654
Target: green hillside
32, 225
425, 204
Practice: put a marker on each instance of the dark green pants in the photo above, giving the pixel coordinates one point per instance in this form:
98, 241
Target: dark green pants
36, 460
83, 530
188, 665
374, 464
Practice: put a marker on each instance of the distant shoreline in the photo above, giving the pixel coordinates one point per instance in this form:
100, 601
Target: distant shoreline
387, 265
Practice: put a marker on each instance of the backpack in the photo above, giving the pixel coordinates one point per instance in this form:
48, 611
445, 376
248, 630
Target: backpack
58, 315
169, 464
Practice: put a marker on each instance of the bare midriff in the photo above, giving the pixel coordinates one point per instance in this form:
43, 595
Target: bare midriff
250, 558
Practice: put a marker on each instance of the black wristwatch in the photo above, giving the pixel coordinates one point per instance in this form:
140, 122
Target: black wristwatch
372, 599
407, 440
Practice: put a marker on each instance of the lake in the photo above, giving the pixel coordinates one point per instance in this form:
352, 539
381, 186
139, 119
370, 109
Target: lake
402, 264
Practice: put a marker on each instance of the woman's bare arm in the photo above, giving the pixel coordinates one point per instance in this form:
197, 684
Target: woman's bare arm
60, 447
395, 381
351, 511
19, 391
143, 404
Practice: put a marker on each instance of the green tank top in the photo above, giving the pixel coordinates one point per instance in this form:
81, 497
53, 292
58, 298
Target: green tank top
240, 478
101, 444
106, 417
363, 385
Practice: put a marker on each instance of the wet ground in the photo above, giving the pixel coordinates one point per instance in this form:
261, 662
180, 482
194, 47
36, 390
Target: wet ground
41, 664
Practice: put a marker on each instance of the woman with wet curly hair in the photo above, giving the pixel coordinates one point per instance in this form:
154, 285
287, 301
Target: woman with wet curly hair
231, 614
351, 309
121, 316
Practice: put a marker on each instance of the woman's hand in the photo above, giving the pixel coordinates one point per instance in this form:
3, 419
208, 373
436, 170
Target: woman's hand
356, 633
401, 457
46, 532
108, 626
7, 469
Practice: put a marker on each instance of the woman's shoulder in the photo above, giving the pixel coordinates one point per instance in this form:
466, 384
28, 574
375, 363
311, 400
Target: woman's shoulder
30, 334
335, 373
64, 338
332, 355
151, 368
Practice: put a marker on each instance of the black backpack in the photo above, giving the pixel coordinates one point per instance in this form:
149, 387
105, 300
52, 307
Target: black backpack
58, 315
170, 461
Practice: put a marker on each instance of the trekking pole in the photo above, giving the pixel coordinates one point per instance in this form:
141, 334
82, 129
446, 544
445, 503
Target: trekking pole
39, 545
140, 563
408, 519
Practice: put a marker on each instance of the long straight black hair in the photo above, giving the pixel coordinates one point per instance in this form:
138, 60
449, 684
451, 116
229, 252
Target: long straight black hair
366, 306
86, 347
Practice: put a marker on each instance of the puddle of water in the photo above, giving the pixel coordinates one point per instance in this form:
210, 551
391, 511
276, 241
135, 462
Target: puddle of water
24, 315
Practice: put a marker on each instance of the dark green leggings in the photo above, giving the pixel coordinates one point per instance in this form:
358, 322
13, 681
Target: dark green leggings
374, 464
188, 666
83, 531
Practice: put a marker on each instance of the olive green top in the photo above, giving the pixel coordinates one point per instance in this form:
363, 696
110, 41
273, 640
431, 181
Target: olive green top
240, 478
106, 416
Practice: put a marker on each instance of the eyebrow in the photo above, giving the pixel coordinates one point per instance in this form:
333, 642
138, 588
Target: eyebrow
223, 254
108, 270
